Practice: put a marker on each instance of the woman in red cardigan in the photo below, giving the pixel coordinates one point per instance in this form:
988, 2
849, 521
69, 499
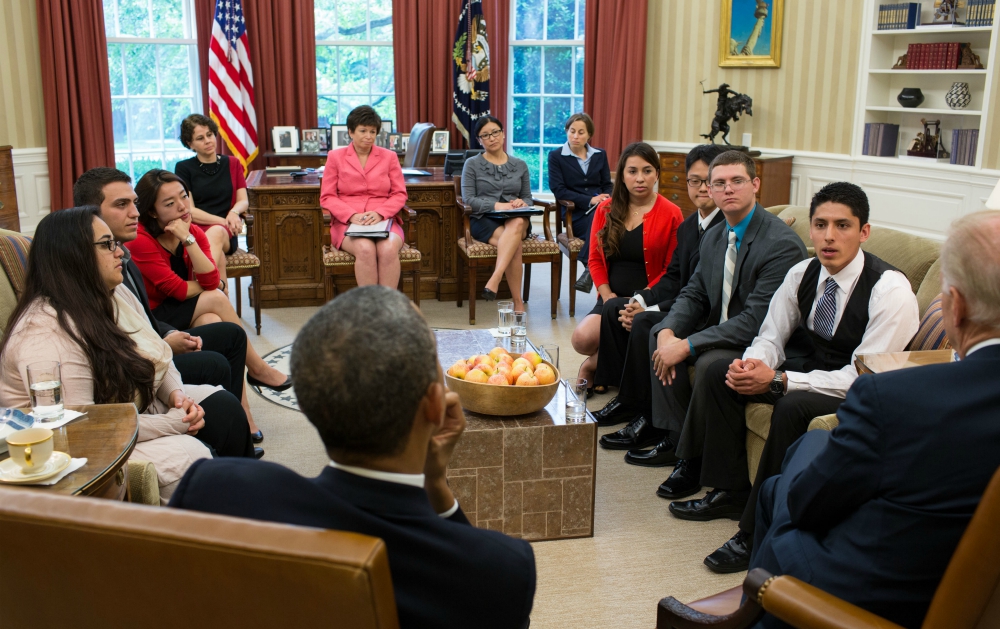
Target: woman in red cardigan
636, 234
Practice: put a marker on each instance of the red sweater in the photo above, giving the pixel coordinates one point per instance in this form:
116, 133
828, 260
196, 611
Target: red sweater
659, 239
154, 263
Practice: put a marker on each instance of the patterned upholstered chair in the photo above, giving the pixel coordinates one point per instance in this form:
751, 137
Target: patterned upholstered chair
570, 246
473, 255
337, 262
245, 264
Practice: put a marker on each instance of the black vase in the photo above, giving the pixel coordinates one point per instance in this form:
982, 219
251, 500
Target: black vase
910, 97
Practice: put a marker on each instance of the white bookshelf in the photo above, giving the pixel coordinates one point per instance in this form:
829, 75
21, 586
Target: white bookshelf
879, 84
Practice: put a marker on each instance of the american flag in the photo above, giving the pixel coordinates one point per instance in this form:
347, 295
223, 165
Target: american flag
230, 81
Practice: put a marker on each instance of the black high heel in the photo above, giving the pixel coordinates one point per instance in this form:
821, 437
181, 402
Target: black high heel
254, 382
257, 437
489, 295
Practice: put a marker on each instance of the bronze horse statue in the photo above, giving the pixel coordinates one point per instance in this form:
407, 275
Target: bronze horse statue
731, 105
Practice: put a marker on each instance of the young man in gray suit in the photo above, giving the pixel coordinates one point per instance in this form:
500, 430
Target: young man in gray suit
716, 316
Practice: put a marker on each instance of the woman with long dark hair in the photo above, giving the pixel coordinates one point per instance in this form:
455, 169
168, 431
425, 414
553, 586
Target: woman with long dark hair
635, 234
75, 310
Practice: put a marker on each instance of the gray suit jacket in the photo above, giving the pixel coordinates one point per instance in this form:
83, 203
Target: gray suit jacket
769, 249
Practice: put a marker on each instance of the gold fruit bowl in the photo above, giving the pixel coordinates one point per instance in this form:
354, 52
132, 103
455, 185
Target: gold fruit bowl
494, 399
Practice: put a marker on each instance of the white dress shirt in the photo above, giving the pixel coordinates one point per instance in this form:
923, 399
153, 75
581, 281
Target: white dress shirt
893, 319
413, 480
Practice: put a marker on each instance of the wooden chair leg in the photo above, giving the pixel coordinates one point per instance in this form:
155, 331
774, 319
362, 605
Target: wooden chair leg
526, 282
239, 298
255, 284
556, 267
415, 274
461, 277
572, 284
328, 286
472, 295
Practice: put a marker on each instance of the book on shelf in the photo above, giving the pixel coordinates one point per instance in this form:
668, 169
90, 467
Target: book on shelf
880, 139
980, 12
898, 16
939, 56
964, 143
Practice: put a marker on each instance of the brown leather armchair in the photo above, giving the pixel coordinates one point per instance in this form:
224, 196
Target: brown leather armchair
419, 145
968, 596
82, 563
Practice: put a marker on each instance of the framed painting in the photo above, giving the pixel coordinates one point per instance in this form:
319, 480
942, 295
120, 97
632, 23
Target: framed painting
750, 33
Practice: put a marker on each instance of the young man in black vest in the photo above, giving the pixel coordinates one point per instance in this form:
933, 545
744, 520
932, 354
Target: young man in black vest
828, 309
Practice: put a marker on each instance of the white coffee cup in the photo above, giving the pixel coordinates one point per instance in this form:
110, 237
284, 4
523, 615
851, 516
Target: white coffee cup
30, 449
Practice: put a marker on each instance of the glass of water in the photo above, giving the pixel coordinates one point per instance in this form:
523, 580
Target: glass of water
550, 352
519, 328
505, 314
45, 386
576, 399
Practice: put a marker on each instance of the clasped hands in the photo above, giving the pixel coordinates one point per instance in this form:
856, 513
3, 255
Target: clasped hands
182, 342
749, 377
625, 316
366, 218
516, 204
194, 415
670, 351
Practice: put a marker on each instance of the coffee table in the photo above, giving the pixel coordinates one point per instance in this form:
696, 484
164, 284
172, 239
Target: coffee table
106, 436
529, 476
890, 361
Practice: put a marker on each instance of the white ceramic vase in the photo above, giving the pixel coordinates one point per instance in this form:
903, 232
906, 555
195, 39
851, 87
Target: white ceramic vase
958, 97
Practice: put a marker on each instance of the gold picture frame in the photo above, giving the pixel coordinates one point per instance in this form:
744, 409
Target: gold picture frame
750, 22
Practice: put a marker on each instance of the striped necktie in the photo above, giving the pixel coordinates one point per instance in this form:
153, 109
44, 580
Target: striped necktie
826, 310
727, 278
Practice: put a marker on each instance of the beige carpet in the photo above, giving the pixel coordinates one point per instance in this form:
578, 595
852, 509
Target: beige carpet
639, 552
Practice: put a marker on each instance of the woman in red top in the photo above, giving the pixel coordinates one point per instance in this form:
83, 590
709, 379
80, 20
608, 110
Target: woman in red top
180, 278
636, 234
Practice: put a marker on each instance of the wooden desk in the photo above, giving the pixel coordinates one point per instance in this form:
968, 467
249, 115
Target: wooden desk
8, 194
315, 160
891, 361
287, 234
106, 438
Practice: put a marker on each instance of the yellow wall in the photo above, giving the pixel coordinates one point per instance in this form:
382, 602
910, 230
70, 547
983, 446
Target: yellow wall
22, 112
807, 104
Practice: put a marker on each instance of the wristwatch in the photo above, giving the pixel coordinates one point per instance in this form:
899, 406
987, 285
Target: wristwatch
189, 240
777, 384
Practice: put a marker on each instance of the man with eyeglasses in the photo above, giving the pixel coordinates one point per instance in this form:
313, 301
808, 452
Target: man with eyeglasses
626, 321
715, 317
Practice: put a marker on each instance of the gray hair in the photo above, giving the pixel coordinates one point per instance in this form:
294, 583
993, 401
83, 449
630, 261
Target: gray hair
970, 262
361, 366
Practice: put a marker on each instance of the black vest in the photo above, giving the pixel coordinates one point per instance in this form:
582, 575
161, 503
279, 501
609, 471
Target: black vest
808, 351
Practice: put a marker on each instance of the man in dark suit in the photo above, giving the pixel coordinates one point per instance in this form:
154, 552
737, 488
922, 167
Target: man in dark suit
367, 377
618, 314
715, 317
580, 173
872, 512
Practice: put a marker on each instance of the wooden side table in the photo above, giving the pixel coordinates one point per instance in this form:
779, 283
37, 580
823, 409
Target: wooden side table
891, 361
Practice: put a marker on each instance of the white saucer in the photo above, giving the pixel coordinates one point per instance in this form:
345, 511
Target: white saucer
10, 472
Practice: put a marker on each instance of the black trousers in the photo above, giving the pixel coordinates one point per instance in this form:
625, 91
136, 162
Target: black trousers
671, 403
613, 344
226, 428
634, 392
221, 361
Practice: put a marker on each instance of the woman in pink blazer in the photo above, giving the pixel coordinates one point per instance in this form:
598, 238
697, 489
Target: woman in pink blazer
363, 184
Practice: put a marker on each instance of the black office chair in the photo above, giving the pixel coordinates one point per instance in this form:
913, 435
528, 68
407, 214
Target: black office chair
419, 145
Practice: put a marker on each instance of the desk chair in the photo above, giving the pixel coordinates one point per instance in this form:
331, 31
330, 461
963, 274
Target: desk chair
240, 264
419, 145
84, 563
473, 254
570, 246
968, 596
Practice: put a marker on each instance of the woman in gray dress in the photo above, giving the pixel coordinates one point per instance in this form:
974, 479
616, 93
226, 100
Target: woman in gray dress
493, 182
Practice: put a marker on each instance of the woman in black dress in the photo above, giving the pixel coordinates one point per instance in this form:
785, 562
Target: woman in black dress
218, 188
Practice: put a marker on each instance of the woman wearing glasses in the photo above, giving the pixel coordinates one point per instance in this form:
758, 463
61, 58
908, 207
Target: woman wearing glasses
493, 182
75, 310
635, 234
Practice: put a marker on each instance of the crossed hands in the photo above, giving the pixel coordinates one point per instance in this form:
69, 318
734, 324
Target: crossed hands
749, 377
625, 316
670, 351
366, 218
194, 414
182, 342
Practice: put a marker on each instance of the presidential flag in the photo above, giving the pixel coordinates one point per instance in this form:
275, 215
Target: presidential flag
230, 82
471, 73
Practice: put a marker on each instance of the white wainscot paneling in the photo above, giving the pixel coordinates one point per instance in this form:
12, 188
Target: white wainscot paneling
31, 181
917, 198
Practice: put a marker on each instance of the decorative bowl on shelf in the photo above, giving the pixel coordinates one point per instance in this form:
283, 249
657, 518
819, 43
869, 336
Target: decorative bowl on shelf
504, 401
910, 97
958, 97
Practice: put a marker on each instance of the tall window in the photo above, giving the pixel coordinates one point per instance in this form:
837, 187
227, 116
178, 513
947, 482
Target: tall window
153, 64
354, 63
547, 73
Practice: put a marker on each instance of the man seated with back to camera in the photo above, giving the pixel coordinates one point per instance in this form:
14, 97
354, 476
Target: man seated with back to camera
829, 309
389, 439
873, 511
619, 313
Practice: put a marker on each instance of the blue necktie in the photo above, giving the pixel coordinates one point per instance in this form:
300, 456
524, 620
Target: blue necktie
826, 310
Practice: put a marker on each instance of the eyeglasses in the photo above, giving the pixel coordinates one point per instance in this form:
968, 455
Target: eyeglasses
695, 182
490, 136
735, 184
110, 245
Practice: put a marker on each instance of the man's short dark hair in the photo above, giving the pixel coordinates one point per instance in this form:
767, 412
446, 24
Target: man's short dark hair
364, 116
703, 153
846, 194
89, 188
730, 158
361, 366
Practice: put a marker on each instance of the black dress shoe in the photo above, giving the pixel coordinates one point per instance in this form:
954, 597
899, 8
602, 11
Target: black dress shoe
662, 455
733, 556
586, 283
258, 453
640, 433
613, 413
254, 382
488, 295
684, 481
257, 437
718, 503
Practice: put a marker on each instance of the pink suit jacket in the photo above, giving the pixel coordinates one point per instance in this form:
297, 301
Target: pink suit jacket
348, 189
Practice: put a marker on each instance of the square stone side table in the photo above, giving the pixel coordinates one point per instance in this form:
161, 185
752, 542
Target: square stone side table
529, 476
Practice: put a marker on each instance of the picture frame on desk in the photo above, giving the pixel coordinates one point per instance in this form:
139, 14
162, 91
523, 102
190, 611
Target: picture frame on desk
324, 139
285, 139
311, 140
440, 141
340, 136
395, 142
387, 126
750, 33
404, 141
